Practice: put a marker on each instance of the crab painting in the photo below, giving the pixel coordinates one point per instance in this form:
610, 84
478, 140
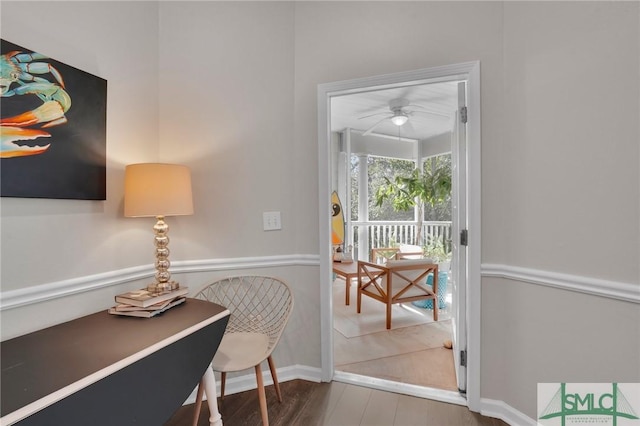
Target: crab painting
49, 146
22, 74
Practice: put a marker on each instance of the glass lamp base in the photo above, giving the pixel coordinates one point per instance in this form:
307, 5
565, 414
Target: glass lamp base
163, 287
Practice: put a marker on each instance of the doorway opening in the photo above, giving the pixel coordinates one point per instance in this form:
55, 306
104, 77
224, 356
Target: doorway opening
420, 117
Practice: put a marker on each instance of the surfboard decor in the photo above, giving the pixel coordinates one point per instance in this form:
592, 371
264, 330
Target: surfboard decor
337, 220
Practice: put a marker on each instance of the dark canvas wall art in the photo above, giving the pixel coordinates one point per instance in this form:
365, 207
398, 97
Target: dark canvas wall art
53, 124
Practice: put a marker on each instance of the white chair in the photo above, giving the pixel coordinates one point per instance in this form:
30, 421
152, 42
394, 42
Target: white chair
260, 308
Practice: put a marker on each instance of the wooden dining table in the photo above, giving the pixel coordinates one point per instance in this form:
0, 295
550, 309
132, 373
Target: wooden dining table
347, 271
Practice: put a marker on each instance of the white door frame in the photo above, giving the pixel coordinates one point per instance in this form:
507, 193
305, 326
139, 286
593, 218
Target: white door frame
459, 271
469, 71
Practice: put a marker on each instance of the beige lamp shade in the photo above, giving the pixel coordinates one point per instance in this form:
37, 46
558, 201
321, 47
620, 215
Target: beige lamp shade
156, 189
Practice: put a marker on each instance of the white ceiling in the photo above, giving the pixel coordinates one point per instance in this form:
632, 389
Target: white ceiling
441, 99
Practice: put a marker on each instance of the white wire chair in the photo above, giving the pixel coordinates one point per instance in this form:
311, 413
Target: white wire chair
260, 308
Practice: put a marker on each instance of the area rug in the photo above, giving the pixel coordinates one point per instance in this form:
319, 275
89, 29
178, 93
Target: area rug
372, 318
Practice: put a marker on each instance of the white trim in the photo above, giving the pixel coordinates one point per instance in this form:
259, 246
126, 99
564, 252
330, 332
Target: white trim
324, 228
41, 293
408, 78
72, 388
207, 265
503, 411
469, 71
36, 294
248, 381
450, 397
598, 287
474, 236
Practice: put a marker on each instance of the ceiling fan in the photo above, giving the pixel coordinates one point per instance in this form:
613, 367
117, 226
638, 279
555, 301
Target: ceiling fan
400, 113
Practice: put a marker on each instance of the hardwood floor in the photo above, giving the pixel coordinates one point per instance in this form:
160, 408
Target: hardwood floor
335, 404
400, 355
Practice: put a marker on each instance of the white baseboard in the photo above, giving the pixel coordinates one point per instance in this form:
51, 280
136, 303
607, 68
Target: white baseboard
248, 381
450, 397
505, 412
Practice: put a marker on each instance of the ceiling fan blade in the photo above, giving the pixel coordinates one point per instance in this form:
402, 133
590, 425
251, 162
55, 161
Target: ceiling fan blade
422, 110
370, 129
372, 115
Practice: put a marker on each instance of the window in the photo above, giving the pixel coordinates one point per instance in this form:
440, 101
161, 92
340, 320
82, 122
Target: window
380, 168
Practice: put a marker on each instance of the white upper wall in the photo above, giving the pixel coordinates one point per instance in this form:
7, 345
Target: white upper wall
345, 40
560, 194
43, 240
226, 69
238, 83
570, 141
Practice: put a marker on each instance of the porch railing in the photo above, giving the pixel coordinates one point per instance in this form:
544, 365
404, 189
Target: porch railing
368, 235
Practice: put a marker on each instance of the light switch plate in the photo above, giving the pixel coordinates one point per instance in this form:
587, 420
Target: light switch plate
271, 221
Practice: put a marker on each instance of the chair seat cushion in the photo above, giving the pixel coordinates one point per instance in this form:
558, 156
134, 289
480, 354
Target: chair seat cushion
407, 262
240, 351
411, 274
410, 248
415, 252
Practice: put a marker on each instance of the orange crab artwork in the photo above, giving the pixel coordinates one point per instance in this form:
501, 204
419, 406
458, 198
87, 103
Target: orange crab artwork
21, 74
49, 146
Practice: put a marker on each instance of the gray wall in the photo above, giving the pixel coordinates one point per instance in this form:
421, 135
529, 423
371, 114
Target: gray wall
230, 90
48, 241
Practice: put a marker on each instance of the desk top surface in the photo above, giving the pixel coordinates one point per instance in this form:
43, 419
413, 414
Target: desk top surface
40, 363
350, 268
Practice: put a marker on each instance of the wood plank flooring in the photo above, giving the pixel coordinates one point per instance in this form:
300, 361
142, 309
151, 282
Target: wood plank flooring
432, 368
335, 404
411, 354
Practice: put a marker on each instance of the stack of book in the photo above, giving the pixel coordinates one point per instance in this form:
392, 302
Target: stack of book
146, 304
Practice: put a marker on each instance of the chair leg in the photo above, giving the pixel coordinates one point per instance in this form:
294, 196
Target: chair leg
262, 397
348, 292
274, 376
196, 414
223, 380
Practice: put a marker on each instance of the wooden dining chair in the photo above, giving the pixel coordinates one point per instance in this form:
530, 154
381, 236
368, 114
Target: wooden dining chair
398, 281
381, 255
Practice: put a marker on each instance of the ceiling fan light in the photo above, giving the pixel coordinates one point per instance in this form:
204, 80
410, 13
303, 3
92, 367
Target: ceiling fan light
399, 119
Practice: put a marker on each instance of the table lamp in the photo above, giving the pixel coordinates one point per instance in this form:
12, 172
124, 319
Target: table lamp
158, 190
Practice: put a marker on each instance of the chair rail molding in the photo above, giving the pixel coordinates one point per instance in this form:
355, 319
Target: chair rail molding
41, 293
615, 290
